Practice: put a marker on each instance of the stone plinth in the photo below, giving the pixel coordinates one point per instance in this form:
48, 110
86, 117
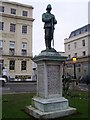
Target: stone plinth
49, 102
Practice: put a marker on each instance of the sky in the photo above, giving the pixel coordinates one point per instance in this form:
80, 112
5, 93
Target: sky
70, 15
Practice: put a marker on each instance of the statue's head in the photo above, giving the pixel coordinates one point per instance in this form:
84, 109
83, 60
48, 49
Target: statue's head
48, 7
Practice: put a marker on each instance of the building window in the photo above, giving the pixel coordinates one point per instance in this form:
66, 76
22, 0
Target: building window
83, 42
74, 34
69, 47
12, 65
75, 55
86, 30
23, 65
1, 47
24, 28
24, 45
1, 8
75, 45
13, 11
69, 56
24, 48
12, 27
84, 53
79, 70
1, 42
24, 13
12, 48
79, 32
1, 25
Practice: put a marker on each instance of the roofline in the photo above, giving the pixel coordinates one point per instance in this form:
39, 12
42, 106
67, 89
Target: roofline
79, 29
17, 3
72, 39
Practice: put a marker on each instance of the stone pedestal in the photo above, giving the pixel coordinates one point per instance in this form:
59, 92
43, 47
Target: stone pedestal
49, 102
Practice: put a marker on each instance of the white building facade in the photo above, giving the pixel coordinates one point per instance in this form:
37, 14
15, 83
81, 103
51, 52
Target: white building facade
16, 23
77, 45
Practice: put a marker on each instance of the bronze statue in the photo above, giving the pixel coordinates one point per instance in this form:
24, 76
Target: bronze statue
50, 21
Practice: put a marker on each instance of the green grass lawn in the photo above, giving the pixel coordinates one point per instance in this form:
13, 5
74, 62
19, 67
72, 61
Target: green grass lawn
13, 105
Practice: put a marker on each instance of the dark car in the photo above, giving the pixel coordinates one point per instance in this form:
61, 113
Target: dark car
85, 79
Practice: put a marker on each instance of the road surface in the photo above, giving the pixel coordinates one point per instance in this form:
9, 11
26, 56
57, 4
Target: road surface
19, 87
22, 87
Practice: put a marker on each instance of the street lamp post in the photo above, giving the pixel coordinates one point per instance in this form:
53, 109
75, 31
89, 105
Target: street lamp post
74, 61
64, 68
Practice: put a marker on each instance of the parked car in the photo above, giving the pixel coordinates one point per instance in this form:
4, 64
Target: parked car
85, 79
2, 81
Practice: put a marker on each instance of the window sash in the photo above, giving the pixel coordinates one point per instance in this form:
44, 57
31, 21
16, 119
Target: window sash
75, 55
12, 65
69, 47
1, 43
11, 51
13, 11
1, 51
84, 53
24, 52
23, 65
83, 42
24, 46
1, 25
24, 28
12, 44
1, 8
24, 13
12, 27
69, 56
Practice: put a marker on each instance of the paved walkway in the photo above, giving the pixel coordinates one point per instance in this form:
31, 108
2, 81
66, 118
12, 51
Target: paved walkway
83, 87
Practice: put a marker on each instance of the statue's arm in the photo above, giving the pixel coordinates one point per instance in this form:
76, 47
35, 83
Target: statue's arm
55, 21
44, 18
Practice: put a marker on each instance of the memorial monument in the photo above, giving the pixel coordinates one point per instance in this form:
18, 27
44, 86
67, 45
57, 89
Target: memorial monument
49, 102
50, 21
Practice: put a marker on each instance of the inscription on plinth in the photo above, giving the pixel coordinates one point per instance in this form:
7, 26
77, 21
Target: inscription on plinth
41, 89
53, 76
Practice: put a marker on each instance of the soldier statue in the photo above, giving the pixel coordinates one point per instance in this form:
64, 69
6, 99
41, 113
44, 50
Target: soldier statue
50, 21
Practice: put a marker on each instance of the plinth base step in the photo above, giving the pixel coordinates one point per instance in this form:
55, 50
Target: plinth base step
48, 115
